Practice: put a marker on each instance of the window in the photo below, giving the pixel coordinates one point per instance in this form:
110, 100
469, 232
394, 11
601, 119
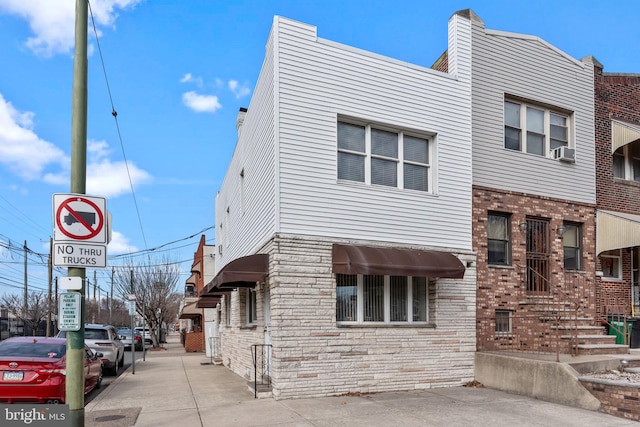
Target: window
227, 309
611, 262
382, 157
252, 316
381, 299
503, 323
572, 241
534, 129
626, 162
498, 245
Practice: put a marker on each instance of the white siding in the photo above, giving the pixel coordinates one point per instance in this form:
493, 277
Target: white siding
321, 80
251, 200
525, 66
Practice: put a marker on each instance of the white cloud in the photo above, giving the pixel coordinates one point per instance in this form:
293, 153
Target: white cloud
53, 21
201, 103
111, 179
189, 78
119, 244
239, 90
21, 150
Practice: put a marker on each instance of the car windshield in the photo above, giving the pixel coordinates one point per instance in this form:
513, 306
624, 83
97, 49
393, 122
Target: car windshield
31, 349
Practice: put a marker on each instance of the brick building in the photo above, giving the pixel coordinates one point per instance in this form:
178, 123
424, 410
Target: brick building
617, 127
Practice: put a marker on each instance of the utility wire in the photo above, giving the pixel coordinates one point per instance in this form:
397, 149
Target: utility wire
114, 113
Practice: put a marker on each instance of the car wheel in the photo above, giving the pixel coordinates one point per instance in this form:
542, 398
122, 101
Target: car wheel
99, 383
114, 370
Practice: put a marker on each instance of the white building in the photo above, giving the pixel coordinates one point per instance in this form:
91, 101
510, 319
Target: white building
343, 234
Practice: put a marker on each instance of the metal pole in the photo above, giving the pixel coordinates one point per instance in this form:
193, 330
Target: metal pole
50, 277
25, 303
75, 339
133, 339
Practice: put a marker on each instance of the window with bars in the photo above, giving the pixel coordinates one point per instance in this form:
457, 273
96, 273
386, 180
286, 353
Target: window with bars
535, 129
504, 325
381, 299
376, 156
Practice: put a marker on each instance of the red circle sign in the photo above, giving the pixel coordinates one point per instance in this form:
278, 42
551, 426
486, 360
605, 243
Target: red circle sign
86, 219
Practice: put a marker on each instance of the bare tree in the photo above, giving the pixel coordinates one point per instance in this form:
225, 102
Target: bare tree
35, 312
154, 285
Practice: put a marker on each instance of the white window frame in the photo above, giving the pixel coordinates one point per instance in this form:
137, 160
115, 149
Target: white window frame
499, 331
615, 254
399, 160
387, 304
548, 111
625, 152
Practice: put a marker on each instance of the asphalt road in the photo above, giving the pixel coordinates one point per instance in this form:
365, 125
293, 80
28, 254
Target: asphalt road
107, 379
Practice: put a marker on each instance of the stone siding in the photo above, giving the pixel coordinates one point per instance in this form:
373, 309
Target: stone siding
313, 356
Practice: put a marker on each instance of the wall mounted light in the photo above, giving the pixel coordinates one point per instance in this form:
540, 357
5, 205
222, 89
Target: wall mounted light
561, 230
523, 225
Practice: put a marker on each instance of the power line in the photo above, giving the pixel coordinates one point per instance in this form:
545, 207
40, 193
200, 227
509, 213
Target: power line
115, 117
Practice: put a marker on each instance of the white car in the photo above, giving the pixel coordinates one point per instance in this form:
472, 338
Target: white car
103, 339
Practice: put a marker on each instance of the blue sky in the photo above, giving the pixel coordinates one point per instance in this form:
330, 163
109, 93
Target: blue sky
177, 72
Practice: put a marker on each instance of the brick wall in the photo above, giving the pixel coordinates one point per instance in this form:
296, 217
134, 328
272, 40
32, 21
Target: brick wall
504, 287
621, 400
312, 356
617, 96
194, 342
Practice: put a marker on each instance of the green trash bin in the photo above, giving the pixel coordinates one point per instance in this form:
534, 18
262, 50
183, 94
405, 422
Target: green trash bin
620, 330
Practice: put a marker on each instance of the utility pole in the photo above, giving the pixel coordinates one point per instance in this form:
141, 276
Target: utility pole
75, 339
111, 298
50, 268
25, 302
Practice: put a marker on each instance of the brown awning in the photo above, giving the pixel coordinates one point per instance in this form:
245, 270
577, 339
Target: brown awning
349, 259
189, 311
241, 272
208, 302
192, 280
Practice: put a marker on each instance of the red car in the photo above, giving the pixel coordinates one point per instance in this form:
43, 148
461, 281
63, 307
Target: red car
32, 369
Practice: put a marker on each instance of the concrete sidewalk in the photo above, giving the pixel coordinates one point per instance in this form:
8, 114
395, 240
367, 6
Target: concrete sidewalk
174, 388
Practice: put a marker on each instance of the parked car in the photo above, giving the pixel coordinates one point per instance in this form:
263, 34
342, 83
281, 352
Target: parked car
33, 369
126, 334
147, 333
103, 339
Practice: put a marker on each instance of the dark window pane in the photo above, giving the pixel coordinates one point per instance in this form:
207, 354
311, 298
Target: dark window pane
384, 172
398, 298
373, 296
535, 143
416, 149
416, 177
346, 297
351, 167
351, 137
384, 143
512, 138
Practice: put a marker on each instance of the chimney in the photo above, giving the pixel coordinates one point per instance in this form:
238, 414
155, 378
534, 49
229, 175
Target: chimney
240, 119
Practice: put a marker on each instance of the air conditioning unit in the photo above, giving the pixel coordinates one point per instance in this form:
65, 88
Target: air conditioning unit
565, 154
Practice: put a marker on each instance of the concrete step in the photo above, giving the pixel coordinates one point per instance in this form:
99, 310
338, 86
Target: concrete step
592, 339
584, 349
263, 390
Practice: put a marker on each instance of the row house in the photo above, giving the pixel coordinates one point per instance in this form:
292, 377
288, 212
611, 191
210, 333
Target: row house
380, 221
617, 134
196, 337
343, 223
